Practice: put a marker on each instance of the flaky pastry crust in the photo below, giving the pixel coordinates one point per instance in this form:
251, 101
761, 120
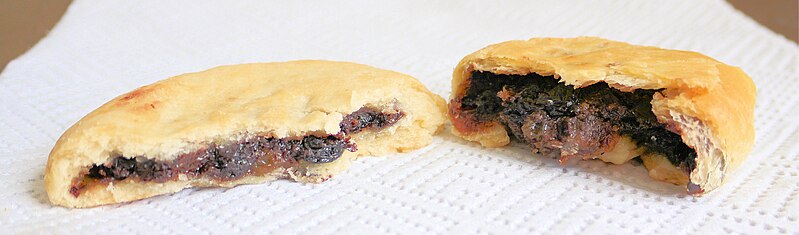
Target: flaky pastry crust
228, 103
710, 104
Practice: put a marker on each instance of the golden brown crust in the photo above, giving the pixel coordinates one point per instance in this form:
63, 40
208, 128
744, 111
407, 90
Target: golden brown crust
227, 103
710, 103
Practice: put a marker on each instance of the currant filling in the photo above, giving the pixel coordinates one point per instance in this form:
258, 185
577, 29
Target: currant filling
553, 117
234, 160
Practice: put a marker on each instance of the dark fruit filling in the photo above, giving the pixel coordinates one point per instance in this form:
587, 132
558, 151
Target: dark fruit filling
368, 118
234, 160
554, 117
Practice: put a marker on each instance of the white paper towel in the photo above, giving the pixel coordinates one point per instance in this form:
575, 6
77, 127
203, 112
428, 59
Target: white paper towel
101, 49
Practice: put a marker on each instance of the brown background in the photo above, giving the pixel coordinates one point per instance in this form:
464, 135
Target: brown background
24, 22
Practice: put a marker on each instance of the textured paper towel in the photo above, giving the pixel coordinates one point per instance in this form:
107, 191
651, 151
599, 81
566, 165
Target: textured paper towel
103, 48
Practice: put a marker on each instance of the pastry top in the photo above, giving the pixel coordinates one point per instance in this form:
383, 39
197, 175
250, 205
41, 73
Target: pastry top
709, 103
228, 103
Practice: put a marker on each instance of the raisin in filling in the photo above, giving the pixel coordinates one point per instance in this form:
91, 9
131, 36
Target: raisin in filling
554, 117
368, 118
234, 160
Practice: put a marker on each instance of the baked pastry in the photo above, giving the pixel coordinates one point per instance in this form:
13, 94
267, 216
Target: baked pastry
239, 124
686, 116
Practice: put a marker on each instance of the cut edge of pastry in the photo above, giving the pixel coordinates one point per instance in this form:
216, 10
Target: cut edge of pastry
126, 191
713, 112
369, 143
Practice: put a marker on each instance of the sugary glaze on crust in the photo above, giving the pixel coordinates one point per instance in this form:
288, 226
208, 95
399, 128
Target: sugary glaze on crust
229, 103
709, 103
